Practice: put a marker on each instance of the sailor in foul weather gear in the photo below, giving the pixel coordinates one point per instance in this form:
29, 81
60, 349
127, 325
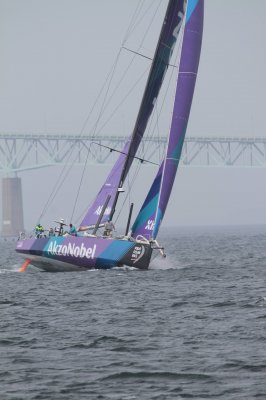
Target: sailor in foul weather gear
39, 230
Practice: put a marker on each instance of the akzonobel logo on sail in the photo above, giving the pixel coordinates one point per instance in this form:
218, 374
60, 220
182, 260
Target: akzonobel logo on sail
71, 249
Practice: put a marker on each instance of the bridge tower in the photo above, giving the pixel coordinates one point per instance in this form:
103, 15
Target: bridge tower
12, 206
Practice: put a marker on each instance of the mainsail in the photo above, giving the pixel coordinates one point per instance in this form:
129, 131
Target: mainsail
167, 39
150, 216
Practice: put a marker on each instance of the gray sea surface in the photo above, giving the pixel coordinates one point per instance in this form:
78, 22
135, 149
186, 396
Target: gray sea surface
191, 327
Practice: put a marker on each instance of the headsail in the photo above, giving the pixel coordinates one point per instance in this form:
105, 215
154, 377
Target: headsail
168, 36
149, 219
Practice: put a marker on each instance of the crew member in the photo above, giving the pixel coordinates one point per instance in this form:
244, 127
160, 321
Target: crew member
108, 228
51, 232
39, 230
72, 230
61, 227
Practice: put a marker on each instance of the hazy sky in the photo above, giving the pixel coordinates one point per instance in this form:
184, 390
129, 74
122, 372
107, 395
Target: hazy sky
56, 53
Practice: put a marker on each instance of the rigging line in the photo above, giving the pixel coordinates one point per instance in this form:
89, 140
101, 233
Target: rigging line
86, 208
56, 188
115, 90
121, 80
77, 220
130, 64
52, 196
138, 166
86, 121
106, 95
148, 27
166, 150
82, 132
135, 15
129, 189
132, 19
119, 84
127, 197
122, 101
103, 105
150, 100
99, 94
137, 53
142, 146
62, 177
122, 152
112, 69
144, 14
162, 105
150, 58
53, 193
106, 102
60, 185
151, 130
80, 183
127, 194
159, 65
168, 85
157, 129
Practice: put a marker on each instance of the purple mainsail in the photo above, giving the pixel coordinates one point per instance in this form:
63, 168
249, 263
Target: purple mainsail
168, 36
151, 214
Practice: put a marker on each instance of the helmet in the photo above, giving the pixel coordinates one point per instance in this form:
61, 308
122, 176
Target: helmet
62, 220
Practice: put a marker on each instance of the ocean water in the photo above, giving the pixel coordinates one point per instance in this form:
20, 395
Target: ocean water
191, 327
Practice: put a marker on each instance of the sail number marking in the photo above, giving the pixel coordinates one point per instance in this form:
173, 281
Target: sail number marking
150, 225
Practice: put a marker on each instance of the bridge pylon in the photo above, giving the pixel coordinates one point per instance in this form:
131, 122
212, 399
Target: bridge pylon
12, 206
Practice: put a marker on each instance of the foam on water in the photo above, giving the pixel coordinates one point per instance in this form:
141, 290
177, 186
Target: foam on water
168, 262
9, 268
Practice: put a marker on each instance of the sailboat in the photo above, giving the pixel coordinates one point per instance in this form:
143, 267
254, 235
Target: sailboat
90, 250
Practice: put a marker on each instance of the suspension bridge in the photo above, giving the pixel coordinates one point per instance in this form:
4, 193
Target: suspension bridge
24, 152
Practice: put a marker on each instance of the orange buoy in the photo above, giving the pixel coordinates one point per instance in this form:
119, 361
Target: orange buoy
24, 266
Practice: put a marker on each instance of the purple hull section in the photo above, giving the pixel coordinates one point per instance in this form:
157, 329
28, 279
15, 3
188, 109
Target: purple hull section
79, 253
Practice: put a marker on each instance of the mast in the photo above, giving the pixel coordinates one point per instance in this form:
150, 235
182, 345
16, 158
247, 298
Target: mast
149, 219
164, 49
